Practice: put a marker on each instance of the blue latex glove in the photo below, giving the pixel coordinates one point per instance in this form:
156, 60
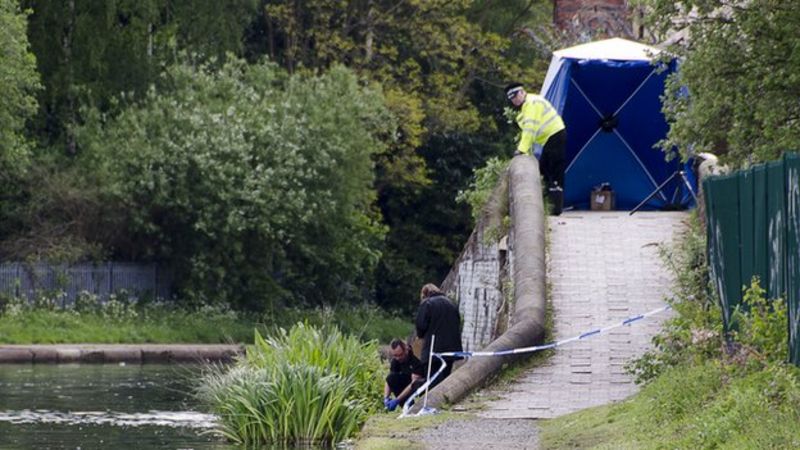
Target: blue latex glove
392, 404
386, 402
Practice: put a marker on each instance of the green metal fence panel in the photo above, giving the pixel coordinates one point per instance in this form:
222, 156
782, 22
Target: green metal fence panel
753, 226
723, 241
746, 227
793, 253
760, 229
776, 229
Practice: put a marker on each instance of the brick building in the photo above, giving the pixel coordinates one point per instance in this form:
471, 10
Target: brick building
598, 18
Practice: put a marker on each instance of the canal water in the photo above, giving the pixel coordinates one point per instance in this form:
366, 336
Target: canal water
95, 406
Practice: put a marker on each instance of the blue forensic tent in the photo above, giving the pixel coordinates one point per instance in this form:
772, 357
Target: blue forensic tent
608, 93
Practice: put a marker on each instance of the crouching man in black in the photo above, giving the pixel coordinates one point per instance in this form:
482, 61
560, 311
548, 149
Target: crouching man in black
405, 373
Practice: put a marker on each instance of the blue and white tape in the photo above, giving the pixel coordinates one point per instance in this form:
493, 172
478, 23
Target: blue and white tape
516, 351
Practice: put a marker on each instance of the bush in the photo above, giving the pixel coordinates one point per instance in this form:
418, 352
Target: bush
255, 185
760, 329
694, 333
305, 385
483, 183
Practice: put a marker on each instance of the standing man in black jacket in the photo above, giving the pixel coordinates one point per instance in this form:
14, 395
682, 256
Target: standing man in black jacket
438, 316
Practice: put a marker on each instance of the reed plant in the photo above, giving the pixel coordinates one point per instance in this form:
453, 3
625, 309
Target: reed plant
305, 385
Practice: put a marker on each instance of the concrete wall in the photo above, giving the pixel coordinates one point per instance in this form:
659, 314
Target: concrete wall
478, 277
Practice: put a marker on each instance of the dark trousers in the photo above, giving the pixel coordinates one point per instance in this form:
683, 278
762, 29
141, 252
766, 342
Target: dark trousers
435, 364
397, 381
553, 161
553, 165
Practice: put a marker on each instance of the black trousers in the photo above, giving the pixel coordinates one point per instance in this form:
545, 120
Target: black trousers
553, 161
397, 381
552, 165
435, 364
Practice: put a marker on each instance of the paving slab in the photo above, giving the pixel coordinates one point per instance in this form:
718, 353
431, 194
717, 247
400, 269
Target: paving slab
603, 267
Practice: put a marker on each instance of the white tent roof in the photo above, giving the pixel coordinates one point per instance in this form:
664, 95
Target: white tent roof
615, 48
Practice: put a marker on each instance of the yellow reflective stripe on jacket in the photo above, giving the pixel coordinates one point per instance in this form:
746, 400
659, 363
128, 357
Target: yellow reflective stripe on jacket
538, 120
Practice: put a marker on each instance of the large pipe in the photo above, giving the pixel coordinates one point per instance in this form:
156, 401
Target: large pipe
527, 244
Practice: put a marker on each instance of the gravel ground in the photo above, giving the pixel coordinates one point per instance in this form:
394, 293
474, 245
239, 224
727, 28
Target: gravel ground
480, 433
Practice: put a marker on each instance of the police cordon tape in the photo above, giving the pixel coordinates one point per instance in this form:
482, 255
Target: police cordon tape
515, 351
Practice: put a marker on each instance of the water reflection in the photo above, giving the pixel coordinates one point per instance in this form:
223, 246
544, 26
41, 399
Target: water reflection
102, 406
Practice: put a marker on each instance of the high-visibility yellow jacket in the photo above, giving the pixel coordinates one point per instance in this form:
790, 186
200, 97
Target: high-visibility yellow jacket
538, 120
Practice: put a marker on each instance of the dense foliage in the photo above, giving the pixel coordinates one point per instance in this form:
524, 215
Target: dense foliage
301, 386
439, 65
739, 65
20, 82
257, 186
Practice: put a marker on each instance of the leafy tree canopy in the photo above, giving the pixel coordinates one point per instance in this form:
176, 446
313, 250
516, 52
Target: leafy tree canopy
256, 184
20, 81
441, 65
740, 65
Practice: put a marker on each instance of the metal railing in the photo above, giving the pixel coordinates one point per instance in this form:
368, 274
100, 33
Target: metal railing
135, 280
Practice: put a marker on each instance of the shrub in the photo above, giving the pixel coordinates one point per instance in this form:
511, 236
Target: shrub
760, 332
694, 333
255, 185
483, 183
305, 385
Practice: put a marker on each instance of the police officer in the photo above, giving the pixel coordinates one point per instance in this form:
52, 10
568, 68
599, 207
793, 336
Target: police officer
542, 132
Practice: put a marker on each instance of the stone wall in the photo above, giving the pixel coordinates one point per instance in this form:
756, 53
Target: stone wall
478, 277
476, 282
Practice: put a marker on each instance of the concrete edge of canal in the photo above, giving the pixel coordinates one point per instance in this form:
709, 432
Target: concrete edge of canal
117, 353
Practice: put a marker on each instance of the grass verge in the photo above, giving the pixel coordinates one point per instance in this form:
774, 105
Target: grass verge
117, 321
699, 406
704, 387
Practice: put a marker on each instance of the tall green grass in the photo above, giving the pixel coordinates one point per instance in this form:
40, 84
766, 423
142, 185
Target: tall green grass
365, 321
305, 385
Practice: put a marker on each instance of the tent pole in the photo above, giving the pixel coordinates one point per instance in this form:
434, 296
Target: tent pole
660, 186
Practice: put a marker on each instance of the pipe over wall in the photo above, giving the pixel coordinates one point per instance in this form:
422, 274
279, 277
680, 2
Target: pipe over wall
527, 245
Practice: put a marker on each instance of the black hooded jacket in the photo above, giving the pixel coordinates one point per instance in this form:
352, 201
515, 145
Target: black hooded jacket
438, 316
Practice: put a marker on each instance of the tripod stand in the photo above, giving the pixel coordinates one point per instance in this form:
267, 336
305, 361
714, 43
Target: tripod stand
677, 173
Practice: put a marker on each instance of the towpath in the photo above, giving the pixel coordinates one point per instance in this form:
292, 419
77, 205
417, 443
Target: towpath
603, 267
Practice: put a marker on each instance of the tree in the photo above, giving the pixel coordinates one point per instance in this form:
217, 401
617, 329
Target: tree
442, 64
740, 67
255, 185
92, 51
20, 83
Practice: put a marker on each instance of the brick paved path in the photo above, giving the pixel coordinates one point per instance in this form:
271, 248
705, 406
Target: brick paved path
603, 267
